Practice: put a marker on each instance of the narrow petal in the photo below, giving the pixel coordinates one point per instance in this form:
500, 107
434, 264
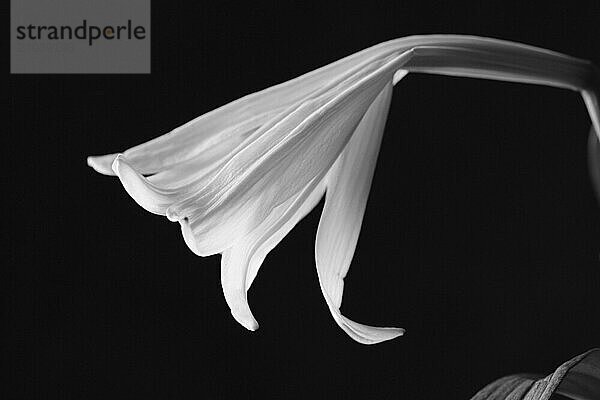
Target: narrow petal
339, 228
234, 265
269, 239
240, 263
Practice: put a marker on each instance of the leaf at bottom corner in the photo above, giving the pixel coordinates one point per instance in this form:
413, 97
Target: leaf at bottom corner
577, 379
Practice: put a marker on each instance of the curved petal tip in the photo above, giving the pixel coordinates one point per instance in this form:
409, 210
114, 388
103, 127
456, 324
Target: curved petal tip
143, 192
364, 334
188, 236
102, 164
244, 317
234, 266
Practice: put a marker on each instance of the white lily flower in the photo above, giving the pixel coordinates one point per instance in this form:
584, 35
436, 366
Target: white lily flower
239, 178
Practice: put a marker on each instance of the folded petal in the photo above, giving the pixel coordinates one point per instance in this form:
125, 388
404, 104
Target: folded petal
347, 193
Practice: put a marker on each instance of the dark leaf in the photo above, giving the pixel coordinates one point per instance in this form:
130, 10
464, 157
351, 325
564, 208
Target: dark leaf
577, 379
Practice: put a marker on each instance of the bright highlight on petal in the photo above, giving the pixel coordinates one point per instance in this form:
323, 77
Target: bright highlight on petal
239, 178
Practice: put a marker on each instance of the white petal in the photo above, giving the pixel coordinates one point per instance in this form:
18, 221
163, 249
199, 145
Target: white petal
149, 197
185, 143
198, 167
270, 238
240, 263
302, 147
183, 182
345, 202
401, 73
191, 140
234, 265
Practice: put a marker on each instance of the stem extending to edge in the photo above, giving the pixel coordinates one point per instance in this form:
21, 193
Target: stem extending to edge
590, 97
500, 60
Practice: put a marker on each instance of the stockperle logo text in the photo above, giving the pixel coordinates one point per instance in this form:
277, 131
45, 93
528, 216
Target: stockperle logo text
84, 31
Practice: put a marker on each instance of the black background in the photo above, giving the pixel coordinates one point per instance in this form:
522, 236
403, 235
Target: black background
480, 236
